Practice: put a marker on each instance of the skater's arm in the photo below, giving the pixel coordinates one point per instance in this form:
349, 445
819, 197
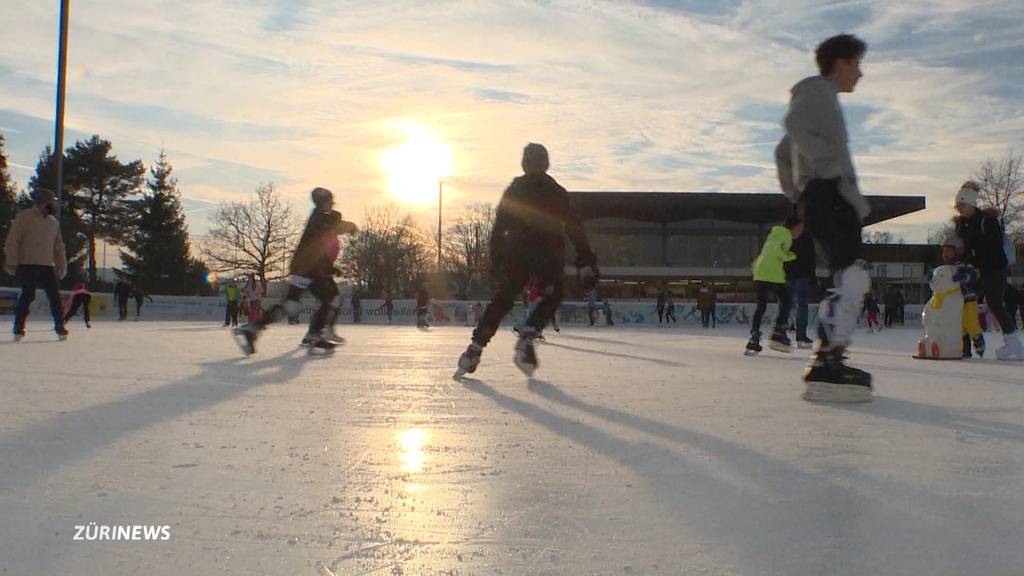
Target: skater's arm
60, 262
12, 245
574, 230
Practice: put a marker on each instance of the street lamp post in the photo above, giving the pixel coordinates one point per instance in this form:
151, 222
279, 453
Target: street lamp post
440, 189
62, 72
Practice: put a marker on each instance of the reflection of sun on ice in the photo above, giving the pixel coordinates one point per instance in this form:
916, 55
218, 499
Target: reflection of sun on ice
417, 165
411, 456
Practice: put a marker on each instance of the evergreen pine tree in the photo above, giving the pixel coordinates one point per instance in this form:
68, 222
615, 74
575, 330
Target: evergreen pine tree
157, 253
7, 198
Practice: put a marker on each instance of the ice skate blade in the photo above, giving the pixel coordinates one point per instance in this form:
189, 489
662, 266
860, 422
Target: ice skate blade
827, 392
459, 373
780, 347
527, 369
804, 345
320, 352
750, 352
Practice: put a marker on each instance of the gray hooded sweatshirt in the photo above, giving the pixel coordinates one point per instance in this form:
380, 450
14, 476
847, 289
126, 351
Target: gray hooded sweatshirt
815, 144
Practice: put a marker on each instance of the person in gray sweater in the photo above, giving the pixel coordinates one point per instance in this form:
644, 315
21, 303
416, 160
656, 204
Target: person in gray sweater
817, 173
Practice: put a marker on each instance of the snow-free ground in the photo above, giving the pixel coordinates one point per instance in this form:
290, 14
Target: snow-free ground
634, 451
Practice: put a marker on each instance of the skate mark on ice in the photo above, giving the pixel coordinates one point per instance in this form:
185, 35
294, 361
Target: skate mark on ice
658, 361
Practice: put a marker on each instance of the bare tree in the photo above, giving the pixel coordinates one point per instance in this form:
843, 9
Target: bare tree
466, 250
388, 253
1002, 188
254, 237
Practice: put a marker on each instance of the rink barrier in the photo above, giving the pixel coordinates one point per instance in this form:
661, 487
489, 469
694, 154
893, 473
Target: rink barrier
440, 312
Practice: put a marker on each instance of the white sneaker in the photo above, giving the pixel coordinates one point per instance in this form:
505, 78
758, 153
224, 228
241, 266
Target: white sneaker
1012, 350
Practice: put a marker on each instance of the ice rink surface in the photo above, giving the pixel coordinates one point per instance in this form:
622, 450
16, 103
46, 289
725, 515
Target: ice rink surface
634, 451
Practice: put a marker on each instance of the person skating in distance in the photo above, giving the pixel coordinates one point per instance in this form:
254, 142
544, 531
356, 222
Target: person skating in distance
312, 268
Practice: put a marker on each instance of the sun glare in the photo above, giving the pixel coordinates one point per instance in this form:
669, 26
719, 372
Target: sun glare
416, 166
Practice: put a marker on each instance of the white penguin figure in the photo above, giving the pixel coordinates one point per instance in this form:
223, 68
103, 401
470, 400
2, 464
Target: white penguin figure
942, 318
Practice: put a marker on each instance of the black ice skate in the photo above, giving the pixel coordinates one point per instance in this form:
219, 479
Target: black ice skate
804, 343
779, 341
469, 360
828, 379
525, 356
754, 345
331, 336
309, 339
18, 336
62, 333
246, 338
321, 347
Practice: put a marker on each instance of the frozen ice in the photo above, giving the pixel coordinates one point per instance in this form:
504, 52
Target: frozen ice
633, 451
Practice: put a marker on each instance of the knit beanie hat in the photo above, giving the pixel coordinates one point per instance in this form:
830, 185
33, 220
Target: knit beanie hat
953, 240
968, 194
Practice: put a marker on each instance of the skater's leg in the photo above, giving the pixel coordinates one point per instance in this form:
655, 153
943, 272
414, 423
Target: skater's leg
86, 301
290, 307
837, 229
548, 305
782, 294
48, 281
763, 289
800, 288
27, 278
325, 292
993, 287
511, 277
72, 310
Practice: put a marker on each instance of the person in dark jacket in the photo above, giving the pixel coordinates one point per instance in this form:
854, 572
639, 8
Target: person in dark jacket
889, 301
661, 305
531, 221
312, 268
357, 306
706, 305
122, 293
983, 238
140, 297
422, 302
800, 277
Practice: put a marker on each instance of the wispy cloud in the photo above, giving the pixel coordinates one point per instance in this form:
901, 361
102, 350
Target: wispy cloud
646, 95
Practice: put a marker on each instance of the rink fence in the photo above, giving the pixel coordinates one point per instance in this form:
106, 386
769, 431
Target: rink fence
440, 312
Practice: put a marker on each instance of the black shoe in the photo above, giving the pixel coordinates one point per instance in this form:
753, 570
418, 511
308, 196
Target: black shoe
780, 342
321, 348
828, 379
754, 345
62, 333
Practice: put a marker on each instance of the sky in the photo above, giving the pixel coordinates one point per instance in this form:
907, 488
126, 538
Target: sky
649, 95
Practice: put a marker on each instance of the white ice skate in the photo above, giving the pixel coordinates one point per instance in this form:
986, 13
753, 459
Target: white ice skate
1011, 350
469, 360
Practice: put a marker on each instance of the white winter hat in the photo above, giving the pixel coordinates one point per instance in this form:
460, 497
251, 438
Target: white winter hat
968, 194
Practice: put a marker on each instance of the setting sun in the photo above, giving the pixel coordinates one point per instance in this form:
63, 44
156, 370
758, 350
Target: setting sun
416, 166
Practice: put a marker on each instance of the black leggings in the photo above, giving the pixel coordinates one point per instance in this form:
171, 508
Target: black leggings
992, 286
765, 289
512, 274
